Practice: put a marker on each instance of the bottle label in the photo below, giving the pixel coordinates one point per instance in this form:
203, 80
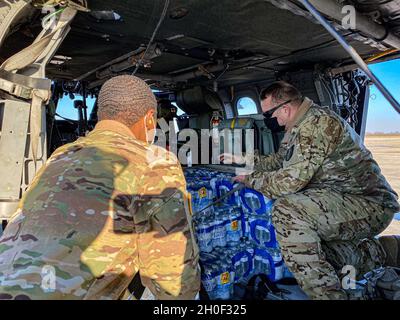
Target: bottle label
202, 192
234, 225
225, 278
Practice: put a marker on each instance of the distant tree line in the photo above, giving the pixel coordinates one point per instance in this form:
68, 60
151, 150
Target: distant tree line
379, 133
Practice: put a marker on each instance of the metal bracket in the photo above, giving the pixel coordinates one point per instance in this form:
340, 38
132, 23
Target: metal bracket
13, 138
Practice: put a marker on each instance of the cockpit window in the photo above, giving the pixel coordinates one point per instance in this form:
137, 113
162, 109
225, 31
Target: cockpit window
65, 107
179, 110
246, 106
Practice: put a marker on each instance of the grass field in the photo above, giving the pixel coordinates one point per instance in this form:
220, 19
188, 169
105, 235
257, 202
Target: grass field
386, 151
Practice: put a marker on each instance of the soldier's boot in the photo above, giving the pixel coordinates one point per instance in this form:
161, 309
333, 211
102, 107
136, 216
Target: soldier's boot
361, 256
391, 246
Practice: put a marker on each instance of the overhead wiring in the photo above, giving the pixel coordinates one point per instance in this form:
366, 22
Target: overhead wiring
163, 14
317, 46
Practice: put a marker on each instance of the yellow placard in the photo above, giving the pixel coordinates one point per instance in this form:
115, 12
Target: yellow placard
225, 277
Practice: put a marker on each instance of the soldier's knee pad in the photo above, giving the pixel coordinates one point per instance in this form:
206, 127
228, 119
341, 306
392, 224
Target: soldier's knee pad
391, 245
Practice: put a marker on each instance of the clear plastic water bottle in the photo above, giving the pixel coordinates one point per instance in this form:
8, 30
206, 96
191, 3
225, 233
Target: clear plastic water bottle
262, 234
213, 184
230, 244
258, 267
275, 254
216, 271
252, 201
249, 247
224, 282
209, 212
238, 201
217, 251
225, 210
231, 251
219, 279
233, 228
219, 234
278, 262
223, 257
251, 220
245, 263
239, 269
205, 237
246, 232
279, 271
265, 266
209, 280
232, 279
224, 190
194, 200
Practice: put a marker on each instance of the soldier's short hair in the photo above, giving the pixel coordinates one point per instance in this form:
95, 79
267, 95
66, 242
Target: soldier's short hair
281, 91
125, 99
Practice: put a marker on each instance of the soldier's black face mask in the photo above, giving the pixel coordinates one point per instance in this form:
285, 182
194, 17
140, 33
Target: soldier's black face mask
272, 123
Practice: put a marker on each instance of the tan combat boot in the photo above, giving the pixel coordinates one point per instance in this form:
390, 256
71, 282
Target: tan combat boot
391, 245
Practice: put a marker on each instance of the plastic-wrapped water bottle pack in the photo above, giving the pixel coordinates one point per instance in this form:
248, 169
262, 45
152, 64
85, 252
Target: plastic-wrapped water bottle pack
236, 237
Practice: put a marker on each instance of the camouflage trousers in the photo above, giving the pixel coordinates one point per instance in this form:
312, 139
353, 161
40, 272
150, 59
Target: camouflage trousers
321, 231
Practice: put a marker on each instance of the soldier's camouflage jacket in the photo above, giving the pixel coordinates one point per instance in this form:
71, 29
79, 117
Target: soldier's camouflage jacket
321, 151
102, 209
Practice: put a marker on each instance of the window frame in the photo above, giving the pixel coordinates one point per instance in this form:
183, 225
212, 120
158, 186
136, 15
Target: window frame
252, 94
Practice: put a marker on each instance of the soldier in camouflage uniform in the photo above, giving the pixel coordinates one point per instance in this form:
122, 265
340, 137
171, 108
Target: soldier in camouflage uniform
331, 198
101, 210
166, 110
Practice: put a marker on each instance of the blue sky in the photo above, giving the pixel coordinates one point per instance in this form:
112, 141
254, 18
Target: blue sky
66, 108
381, 115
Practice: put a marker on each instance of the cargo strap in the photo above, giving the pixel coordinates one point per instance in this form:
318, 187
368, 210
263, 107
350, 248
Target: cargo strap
224, 196
20, 85
32, 53
28, 87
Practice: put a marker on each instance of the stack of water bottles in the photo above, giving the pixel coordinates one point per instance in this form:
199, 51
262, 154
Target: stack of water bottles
236, 237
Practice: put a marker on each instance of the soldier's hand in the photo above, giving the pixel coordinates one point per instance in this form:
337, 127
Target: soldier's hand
229, 158
239, 179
